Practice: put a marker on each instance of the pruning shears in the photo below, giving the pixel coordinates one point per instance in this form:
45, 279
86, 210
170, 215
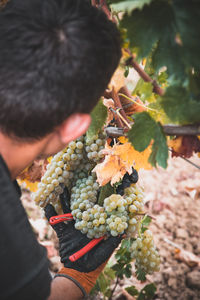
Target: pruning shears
74, 257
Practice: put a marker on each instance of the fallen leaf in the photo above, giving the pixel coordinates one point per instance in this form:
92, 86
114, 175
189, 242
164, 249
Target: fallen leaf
183, 255
187, 257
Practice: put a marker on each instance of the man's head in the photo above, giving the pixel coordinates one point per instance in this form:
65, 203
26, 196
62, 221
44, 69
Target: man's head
56, 59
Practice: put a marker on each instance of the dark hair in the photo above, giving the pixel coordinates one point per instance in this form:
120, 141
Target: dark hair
56, 58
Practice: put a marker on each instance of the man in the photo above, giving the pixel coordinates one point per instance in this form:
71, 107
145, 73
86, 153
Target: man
56, 59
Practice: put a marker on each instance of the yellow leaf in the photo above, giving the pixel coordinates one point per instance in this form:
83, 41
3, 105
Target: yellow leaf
31, 186
117, 80
140, 158
176, 144
120, 159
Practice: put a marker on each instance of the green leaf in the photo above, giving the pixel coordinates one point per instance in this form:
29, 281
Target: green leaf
145, 27
159, 149
142, 132
144, 90
132, 290
109, 273
180, 105
129, 5
147, 292
187, 15
102, 283
140, 274
145, 223
162, 77
168, 53
105, 192
146, 220
127, 271
98, 115
126, 72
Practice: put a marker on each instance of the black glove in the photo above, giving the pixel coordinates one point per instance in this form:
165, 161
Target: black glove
127, 181
72, 240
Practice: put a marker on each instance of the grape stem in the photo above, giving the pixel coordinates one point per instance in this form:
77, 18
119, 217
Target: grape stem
114, 288
120, 116
139, 104
118, 104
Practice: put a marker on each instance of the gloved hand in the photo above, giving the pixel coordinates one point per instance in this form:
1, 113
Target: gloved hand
86, 269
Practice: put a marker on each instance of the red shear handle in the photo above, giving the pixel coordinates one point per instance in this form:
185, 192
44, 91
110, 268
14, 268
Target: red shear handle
60, 218
85, 249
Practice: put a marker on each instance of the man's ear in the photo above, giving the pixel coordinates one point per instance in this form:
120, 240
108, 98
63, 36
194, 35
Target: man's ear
73, 127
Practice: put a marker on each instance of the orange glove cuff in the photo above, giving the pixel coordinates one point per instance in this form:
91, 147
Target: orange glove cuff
85, 281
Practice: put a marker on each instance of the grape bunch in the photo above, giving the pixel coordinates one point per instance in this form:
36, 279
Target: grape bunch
120, 213
117, 215
145, 254
68, 165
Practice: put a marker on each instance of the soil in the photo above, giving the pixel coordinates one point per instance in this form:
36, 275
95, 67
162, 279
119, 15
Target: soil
172, 198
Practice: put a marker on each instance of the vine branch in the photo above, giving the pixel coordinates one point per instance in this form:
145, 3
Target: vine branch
131, 62
168, 130
181, 130
114, 288
117, 102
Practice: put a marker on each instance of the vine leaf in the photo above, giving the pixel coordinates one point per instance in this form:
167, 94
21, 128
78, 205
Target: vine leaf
120, 159
171, 37
187, 15
147, 292
98, 115
180, 105
144, 130
105, 192
145, 27
132, 290
184, 146
129, 5
140, 274
145, 223
159, 154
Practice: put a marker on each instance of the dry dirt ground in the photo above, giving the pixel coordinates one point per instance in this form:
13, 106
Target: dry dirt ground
173, 200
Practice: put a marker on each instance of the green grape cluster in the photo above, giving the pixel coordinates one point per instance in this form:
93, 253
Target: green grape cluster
113, 218
94, 146
145, 254
67, 166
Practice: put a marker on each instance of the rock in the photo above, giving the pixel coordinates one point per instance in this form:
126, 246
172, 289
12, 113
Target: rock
193, 279
172, 282
181, 233
167, 273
